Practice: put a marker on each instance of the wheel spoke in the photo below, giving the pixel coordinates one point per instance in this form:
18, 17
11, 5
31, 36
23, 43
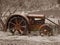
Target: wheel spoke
21, 21
12, 23
20, 31
16, 21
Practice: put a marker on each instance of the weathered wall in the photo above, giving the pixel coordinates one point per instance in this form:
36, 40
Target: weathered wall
28, 4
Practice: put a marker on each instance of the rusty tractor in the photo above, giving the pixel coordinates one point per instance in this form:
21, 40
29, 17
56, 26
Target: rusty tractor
24, 24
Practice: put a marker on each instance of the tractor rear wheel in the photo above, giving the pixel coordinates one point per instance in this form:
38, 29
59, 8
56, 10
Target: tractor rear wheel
19, 24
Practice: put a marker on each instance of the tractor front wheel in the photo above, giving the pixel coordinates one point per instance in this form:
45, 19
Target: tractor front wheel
46, 30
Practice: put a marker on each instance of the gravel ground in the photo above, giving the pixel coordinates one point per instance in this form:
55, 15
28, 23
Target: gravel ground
6, 38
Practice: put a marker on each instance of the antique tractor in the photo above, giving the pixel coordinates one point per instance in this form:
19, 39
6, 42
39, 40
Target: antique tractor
24, 24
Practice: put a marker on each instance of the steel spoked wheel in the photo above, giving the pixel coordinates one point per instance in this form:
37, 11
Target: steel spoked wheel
46, 30
18, 24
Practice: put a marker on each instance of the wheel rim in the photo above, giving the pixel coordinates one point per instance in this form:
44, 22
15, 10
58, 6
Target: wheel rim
46, 30
17, 24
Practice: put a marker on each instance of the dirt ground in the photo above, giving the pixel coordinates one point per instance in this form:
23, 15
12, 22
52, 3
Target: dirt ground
6, 38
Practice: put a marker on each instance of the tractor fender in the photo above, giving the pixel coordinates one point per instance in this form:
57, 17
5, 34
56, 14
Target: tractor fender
24, 16
44, 25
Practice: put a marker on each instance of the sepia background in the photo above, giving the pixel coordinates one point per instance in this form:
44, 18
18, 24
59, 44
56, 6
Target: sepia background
49, 8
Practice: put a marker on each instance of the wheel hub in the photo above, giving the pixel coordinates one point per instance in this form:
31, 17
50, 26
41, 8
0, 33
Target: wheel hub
18, 27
